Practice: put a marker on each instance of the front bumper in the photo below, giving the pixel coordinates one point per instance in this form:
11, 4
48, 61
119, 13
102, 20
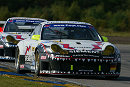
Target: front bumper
80, 66
7, 52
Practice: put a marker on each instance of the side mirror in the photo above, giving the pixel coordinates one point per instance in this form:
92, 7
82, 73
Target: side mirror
105, 39
36, 37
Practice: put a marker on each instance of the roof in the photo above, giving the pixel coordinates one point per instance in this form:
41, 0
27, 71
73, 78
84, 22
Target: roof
2, 22
27, 18
66, 22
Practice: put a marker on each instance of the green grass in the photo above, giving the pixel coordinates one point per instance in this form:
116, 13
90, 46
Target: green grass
16, 82
120, 34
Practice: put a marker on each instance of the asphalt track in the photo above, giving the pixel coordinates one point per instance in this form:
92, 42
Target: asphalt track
122, 81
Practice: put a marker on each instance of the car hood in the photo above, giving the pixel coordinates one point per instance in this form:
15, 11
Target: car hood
16, 35
78, 44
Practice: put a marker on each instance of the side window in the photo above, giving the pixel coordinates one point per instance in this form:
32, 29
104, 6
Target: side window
37, 30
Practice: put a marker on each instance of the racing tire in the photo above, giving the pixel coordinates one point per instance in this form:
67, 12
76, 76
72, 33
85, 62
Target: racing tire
17, 61
37, 64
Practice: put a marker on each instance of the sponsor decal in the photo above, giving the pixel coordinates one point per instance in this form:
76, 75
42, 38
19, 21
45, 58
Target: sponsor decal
67, 46
28, 58
46, 42
86, 70
1, 46
112, 68
71, 67
97, 45
83, 51
43, 57
66, 25
3, 37
33, 48
10, 21
19, 37
21, 66
27, 50
24, 21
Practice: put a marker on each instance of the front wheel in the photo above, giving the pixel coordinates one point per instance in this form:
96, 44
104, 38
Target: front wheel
17, 61
37, 64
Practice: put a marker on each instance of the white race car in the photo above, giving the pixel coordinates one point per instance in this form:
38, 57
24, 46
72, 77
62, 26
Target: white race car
14, 30
68, 48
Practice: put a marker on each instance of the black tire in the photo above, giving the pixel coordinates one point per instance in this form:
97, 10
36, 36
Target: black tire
37, 64
17, 61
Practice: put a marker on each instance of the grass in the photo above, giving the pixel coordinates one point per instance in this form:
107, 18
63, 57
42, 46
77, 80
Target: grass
16, 82
119, 34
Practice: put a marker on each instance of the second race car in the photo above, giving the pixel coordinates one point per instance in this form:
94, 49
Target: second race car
14, 30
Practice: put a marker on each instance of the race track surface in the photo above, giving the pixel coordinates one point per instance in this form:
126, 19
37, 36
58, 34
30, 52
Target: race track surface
122, 81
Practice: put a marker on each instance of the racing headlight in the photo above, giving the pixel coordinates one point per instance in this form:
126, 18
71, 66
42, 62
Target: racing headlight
57, 48
109, 50
12, 39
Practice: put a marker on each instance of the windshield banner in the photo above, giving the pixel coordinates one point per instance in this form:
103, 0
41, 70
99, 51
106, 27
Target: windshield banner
29, 21
66, 25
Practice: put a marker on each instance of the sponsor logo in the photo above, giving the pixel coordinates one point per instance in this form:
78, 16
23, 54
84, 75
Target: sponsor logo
19, 37
43, 57
97, 45
27, 50
21, 66
67, 46
1, 46
33, 48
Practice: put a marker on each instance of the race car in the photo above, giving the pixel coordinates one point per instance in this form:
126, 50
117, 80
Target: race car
14, 30
68, 48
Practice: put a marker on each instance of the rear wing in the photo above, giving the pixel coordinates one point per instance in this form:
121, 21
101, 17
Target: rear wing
2, 22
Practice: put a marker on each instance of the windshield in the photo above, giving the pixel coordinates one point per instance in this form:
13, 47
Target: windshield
21, 25
69, 31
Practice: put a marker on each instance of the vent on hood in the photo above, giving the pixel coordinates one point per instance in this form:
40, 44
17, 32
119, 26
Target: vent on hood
78, 42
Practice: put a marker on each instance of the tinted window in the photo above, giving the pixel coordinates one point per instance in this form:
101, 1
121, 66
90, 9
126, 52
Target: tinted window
77, 32
21, 25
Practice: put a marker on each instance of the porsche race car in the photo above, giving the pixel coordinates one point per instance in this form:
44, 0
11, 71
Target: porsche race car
14, 30
68, 48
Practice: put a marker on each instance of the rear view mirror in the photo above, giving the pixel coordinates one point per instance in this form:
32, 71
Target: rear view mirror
105, 39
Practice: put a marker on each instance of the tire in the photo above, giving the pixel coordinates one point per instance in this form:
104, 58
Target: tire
17, 61
37, 64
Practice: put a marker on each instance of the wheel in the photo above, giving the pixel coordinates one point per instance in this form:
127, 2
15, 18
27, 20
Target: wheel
17, 61
37, 64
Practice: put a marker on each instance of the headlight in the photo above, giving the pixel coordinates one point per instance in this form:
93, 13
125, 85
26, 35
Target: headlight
57, 48
109, 50
12, 39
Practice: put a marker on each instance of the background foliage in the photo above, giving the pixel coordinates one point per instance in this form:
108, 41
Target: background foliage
105, 15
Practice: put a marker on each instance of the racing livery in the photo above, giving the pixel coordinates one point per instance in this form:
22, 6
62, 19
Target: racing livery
14, 30
68, 48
